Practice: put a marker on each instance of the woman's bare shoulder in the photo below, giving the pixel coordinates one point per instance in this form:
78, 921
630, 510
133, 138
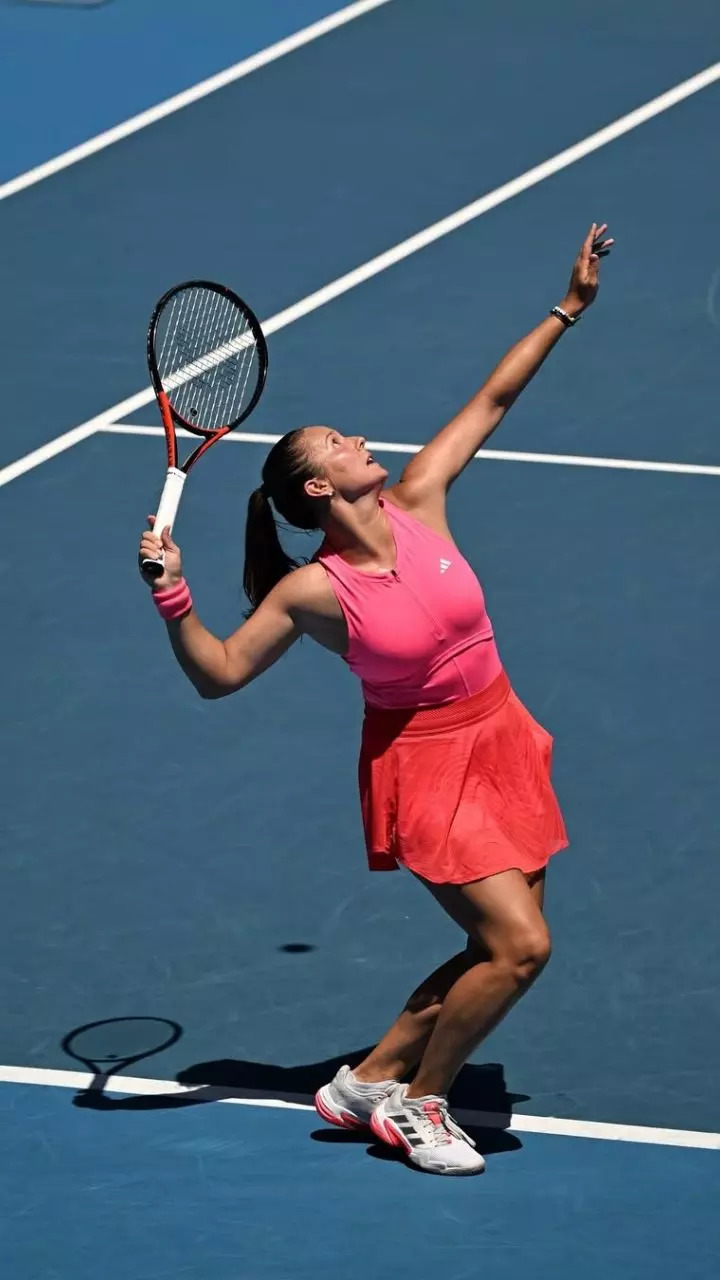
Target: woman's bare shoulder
308, 589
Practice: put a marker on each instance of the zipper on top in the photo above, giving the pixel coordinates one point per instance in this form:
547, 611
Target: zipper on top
438, 632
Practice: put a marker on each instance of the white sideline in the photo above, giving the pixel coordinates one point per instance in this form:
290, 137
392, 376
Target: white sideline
497, 455
197, 91
554, 1125
392, 256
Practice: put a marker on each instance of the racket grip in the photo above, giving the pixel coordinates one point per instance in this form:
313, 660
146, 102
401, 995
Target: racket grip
165, 516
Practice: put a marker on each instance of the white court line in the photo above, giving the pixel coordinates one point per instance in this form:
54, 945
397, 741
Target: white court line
201, 90
497, 455
47, 451
520, 1123
388, 259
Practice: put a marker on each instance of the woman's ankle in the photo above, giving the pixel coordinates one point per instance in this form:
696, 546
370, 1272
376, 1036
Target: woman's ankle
424, 1089
375, 1071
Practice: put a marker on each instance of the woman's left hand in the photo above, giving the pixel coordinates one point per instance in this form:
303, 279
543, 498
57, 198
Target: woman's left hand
584, 281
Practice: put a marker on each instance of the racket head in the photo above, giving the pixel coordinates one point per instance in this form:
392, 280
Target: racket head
207, 357
107, 1046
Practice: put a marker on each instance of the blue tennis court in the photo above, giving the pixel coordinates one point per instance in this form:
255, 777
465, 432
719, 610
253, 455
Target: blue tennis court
169, 858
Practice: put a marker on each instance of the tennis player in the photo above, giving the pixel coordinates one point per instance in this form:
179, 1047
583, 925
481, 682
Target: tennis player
454, 771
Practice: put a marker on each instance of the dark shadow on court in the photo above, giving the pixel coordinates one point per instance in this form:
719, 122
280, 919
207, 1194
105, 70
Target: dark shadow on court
479, 1099
111, 1045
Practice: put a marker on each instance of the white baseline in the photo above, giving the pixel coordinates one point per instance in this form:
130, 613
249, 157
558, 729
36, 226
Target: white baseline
555, 1125
392, 256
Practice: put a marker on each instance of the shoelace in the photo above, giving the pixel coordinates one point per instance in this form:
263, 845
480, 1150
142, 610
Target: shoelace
438, 1126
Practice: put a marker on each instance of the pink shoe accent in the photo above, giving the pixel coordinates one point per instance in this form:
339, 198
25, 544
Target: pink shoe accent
432, 1111
343, 1121
386, 1132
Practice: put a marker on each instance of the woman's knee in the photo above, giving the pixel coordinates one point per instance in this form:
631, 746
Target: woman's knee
527, 949
503, 921
523, 948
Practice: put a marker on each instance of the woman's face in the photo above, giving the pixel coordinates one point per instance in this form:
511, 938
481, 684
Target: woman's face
342, 463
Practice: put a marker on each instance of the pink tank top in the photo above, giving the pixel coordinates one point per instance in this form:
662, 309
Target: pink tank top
419, 634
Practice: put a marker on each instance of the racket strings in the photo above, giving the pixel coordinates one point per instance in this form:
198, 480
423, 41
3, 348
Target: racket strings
206, 352
217, 406
180, 345
215, 381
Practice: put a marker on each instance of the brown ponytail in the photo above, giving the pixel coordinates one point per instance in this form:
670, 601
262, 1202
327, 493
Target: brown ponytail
265, 561
284, 474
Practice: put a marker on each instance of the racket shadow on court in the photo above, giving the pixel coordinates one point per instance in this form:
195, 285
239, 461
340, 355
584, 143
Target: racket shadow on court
108, 1047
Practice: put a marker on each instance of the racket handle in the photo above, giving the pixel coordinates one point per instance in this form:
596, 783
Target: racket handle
165, 516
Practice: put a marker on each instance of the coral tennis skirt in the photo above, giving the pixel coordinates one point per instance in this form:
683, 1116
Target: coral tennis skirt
461, 791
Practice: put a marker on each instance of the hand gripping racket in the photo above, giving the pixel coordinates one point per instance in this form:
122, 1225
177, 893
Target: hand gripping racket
208, 361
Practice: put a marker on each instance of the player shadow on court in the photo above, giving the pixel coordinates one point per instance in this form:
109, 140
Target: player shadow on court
479, 1099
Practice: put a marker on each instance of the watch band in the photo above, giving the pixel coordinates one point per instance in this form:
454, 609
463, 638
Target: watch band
567, 320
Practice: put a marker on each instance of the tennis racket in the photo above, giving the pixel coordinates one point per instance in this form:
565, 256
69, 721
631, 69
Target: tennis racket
208, 359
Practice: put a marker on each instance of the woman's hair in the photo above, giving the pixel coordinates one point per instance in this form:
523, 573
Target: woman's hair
286, 469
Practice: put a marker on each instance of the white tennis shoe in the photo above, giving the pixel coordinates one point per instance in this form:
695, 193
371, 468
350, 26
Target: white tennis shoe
426, 1133
349, 1103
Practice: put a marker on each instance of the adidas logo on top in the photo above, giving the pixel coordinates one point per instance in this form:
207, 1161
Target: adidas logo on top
445, 564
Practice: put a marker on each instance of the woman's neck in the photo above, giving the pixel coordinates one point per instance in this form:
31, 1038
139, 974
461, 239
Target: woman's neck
361, 533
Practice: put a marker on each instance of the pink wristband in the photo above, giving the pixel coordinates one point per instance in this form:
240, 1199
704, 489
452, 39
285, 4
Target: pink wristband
173, 602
